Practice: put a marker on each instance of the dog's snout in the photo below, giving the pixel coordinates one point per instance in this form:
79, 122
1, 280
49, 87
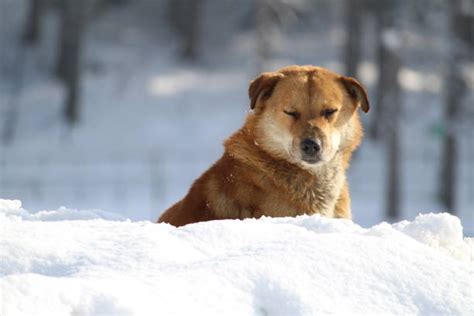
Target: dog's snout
310, 147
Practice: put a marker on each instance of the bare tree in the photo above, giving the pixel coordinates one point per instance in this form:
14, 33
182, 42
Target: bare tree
191, 34
388, 103
269, 16
185, 18
12, 114
393, 107
73, 16
353, 18
460, 32
264, 24
384, 20
32, 29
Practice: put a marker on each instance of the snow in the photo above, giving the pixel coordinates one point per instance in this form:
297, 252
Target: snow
13, 207
67, 262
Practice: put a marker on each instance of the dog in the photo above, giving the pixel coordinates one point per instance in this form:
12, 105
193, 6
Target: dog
290, 156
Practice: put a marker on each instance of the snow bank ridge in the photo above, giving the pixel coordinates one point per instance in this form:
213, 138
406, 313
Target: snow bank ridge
443, 231
13, 209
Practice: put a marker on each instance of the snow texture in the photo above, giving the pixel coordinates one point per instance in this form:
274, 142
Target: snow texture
68, 262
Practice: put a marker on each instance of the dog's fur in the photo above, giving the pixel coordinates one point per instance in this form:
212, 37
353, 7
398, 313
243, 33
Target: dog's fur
263, 171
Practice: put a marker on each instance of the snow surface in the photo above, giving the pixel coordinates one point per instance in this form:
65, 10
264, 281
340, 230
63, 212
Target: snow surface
68, 262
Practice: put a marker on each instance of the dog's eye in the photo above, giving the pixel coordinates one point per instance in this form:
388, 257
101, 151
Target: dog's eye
327, 113
294, 114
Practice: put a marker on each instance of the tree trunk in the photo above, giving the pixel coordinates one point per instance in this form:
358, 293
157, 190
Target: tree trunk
384, 20
31, 33
12, 111
70, 46
191, 35
184, 17
455, 91
265, 24
388, 107
393, 108
353, 12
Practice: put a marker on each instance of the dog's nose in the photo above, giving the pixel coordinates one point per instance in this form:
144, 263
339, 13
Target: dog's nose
310, 147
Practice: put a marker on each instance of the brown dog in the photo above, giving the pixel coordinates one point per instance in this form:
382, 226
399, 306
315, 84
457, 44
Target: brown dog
290, 156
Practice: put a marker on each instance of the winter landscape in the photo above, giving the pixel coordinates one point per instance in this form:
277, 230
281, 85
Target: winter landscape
79, 197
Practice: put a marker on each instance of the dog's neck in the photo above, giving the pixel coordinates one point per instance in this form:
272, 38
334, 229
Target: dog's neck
315, 187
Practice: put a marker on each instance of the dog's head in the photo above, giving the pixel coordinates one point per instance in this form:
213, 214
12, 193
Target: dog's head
305, 114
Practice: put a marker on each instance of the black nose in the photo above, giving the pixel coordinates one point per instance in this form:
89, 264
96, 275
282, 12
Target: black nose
310, 147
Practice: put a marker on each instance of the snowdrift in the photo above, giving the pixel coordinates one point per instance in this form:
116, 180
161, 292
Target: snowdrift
68, 262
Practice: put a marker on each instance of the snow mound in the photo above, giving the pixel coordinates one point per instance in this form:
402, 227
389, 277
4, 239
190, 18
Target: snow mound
13, 208
442, 231
307, 265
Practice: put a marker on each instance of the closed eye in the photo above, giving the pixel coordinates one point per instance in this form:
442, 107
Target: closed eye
327, 113
293, 114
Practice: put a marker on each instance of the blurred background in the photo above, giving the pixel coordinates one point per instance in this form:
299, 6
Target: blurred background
120, 104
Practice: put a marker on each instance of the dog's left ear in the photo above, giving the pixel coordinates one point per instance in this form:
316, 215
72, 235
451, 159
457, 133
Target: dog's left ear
262, 86
357, 92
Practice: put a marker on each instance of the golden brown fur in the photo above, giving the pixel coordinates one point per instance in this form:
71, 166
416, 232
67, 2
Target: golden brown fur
263, 171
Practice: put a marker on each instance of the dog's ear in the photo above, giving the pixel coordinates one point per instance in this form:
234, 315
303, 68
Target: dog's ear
262, 86
357, 92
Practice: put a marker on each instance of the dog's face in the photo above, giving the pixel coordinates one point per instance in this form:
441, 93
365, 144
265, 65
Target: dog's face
304, 113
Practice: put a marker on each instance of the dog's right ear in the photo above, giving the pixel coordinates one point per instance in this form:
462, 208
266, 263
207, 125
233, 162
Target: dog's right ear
262, 87
357, 92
